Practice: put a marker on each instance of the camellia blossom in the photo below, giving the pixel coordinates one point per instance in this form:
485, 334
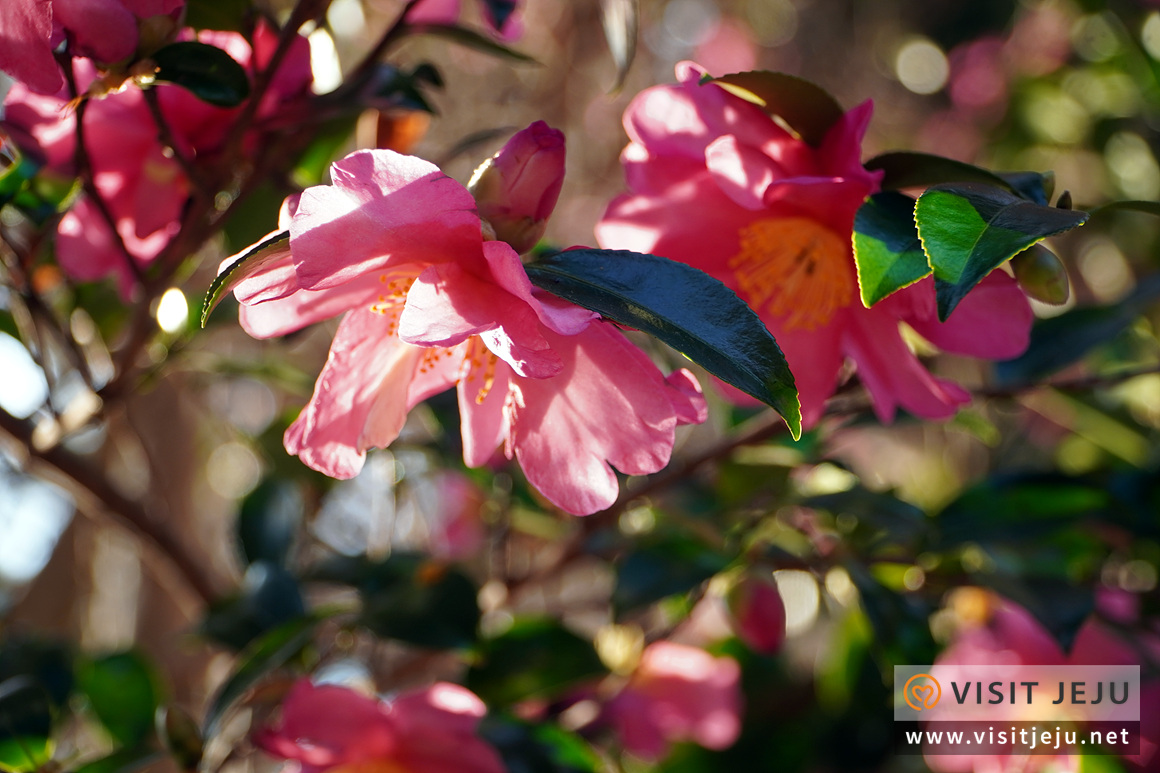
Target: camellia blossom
142, 185
400, 247
329, 727
718, 184
503, 16
758, 613
677, 693
105, 30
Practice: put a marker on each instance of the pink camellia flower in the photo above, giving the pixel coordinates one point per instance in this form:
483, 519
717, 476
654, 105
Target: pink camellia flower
333, 728
717, 184
143, 187
677, 693
400, 246
503, 16
758, 614
105, 30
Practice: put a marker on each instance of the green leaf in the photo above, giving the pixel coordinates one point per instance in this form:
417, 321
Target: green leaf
969, 229
181, 736
538, 748
26, 717
621, 20
122, 692
1033, 186
685, 308
121, 761
258, 257
881, 520
1146, 207
268, 598
268, 521
806, 108
903, 169
208, 72
1042, 275
1059, 341
229, 15
664, 568
535, 658
887, 251
270, 652
409, 597
470, 39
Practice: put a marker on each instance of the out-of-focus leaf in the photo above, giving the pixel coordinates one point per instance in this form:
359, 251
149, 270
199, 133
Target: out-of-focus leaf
122, 761
1146, 207
535, 658
181, 736
470, 39
805, 107
208, 72
15, 177
268, 521
621, 19
685, 308
265, 655
268, 598
328, 141
1018, 508
49, 664
226, 15
26, 716
122, 692
884, 519
887, 252
900, 621
537, 748
904, 169
667, 567
1041, 275
1059, 341
258, 257
410, 598
969, 229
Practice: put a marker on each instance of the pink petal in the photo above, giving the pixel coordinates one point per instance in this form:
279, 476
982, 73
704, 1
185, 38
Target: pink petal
25, 50
607, 407
273, 306
435, 12
103, 29
685, 394
483, 422
815, 357
438, 725
742, 172
360, 399
383, 210
992, 322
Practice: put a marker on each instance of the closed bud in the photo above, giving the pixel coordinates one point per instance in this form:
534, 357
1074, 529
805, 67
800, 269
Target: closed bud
1041, 275
758, 614
516, 189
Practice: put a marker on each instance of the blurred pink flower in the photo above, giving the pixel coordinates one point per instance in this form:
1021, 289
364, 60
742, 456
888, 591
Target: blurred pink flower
454, 522
400, 246
677, 693
328, 727
717, 184
142, 185
503, 16
105, 30
758, 614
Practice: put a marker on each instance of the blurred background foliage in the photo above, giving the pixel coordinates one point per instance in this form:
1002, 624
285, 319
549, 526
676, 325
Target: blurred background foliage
1046, 489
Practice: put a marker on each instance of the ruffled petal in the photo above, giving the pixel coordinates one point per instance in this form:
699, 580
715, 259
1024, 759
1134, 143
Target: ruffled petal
992, 322
25, 50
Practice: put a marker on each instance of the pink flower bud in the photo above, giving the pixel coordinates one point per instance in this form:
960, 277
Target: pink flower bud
516, 189
758, 614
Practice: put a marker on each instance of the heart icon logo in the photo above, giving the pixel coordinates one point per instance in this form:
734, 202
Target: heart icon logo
922, 691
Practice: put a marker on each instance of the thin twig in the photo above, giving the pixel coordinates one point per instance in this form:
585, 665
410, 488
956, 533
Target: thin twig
169, 139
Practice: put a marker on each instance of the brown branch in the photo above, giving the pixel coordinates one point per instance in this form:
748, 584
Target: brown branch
128, 513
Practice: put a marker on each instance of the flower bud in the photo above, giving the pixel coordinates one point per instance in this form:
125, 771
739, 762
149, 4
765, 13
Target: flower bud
1041, 275
516, 189
758, 614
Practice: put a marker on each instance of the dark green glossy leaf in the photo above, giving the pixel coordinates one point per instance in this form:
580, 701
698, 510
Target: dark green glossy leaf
1033, 186
887, 251
903, 169
229, 15
1059, 341
122, 692
537, 748
968, 230
268, 653
122, 761
1042, 275
181, 736
253, 260
15, 177
805, 107
621, 19
268, 598
536, 658
685, 308
208, 72
470, 39
26, 717
268, 521
664, 568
